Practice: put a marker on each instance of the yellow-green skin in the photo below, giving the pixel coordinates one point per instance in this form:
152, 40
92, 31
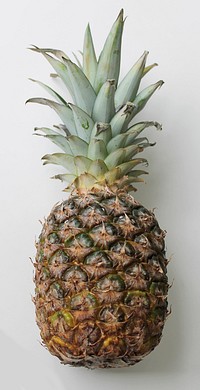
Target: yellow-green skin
101, 284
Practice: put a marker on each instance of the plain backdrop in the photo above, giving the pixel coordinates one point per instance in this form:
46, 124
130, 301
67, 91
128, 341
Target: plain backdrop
170, 30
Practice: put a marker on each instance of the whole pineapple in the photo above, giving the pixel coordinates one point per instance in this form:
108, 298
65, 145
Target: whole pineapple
100, 268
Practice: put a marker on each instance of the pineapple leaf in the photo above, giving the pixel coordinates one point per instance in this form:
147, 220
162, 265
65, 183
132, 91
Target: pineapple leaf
148, 68
77, 145
59, 67
112, 175
71, 145
62, 159
143, 97
82, 164
45, 130
50, 91
78, 61
64, 112
122, 155
85, 181
98, 169
115, 158
137, 172
57, 53
104, 107
129, 179
102, 131
122, 118
74, 165
83, 122
130, 136
117, 142
97, 149
62, 128
84, 94
60, 141
89, 57
109, 61
137, 128
65, 177
128, 87
126, 167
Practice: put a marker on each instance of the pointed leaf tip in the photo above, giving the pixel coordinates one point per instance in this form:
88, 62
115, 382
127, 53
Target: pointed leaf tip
121, 14
109, 60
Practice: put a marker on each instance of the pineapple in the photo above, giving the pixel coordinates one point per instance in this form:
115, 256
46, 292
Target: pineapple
100, 268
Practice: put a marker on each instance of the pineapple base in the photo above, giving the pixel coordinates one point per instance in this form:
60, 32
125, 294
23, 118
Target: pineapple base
101, 283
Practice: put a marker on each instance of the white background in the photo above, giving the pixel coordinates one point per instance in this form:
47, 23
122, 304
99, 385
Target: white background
170, 30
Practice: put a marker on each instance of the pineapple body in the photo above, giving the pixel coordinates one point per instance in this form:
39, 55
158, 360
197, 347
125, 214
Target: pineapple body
101, 284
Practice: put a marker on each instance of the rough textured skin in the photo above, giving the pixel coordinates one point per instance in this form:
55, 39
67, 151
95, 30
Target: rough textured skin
101, 284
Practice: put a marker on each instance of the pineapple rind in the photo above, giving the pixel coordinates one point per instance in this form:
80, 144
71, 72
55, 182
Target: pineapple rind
101, 284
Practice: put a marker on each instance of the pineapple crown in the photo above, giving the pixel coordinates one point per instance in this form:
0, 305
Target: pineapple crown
98, 138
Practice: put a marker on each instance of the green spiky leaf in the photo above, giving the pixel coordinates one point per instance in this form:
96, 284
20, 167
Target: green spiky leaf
78, 146
83, 92
148, 68
62, 159
121, 119
109, 61
83, 123
142, 98
97, 149
128, 87
64, 112
51, 91
98, 169
104, 106
57, 53
89, 57
102, 131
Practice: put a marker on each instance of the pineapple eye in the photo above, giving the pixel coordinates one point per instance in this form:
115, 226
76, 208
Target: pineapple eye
140, 211
120, 219
110, 201
142, 239
111, 282
159, 288
74, 222
56, 290
98, 258
59, 257
112, 314
159, 313
69, 205
76, 274
53, 238
158, 271
126, 247
84, 240
110, 229
137, 270
136, 298
45, 274
156, 230
83, 301
94, 208
40, 256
